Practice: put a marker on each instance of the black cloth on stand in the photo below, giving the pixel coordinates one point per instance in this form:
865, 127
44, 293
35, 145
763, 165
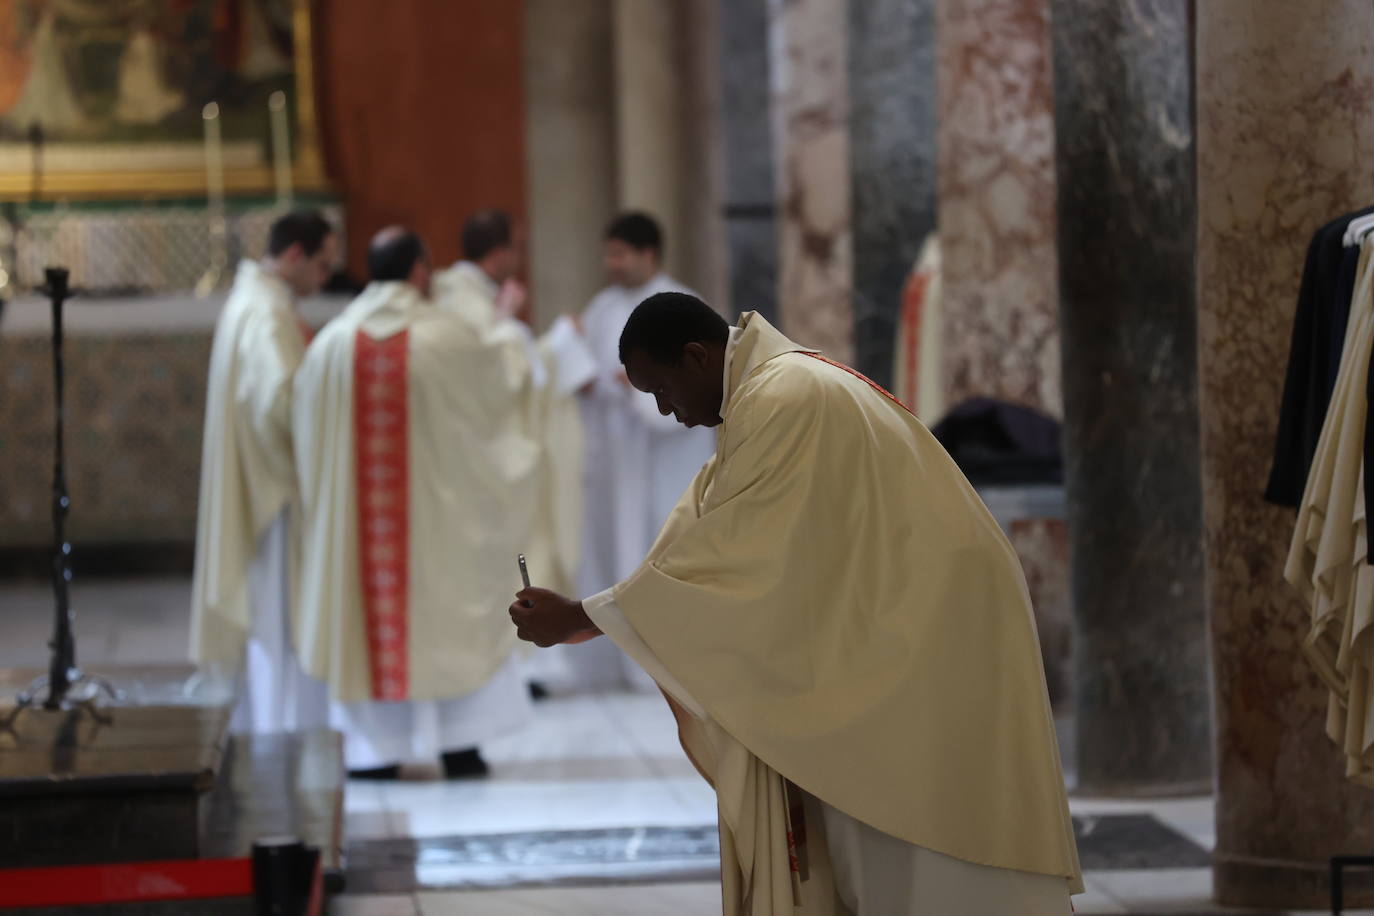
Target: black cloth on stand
997, 442
1314, 355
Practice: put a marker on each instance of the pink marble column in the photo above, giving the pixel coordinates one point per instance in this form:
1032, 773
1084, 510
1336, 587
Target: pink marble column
811, 138
997, 201
1285, 128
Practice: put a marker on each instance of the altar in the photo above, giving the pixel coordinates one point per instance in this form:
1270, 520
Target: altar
136, 370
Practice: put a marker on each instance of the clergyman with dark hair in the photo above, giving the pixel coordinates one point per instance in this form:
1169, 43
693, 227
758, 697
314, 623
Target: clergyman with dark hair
844, 635
490, 265
484, 291
637, 462
416, 471
245, 533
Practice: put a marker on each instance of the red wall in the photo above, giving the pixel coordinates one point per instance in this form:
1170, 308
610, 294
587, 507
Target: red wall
422, 114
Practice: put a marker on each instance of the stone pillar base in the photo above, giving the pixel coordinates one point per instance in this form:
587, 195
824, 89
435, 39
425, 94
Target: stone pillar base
1272, 883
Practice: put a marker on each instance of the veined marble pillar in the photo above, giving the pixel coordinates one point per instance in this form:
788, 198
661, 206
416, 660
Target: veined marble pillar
997, 199
750, 215
1284, 134
809, 63
892, 162
1128, 329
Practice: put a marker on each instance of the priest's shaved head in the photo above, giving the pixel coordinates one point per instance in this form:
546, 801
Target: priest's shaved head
398, 254
673, 347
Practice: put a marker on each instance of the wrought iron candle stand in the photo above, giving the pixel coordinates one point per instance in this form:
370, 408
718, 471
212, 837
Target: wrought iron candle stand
65, 685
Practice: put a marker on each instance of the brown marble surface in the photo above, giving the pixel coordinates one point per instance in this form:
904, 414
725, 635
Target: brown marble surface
997, 201
59, 752
1285, 124
811, 139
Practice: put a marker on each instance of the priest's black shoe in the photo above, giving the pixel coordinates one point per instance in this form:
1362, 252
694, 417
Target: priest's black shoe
466, 764
391, 772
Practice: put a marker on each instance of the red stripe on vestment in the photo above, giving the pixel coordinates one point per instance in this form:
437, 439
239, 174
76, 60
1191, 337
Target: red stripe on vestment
381, 445
865, 379
912, 312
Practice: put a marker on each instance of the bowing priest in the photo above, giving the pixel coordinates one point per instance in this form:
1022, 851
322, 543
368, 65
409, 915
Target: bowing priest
416, 474
483, 290
637, 461
246, 532
845, 637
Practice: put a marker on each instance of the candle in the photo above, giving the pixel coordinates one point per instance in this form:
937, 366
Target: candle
214, 154
281, 147
214, 194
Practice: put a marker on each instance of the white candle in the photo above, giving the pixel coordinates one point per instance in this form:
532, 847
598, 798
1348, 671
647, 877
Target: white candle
281, 147
214, 155
214, 193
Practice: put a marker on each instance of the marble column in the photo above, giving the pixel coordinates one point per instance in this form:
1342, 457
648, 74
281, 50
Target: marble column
1128, 330
996, 200
746, 115
892, 152
666, 129
809, 66
1284, 133
651, 132
569, 131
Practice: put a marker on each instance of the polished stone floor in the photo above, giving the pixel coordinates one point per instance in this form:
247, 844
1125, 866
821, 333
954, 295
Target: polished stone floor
593, 810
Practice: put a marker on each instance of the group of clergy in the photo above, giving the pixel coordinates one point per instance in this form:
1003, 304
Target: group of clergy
837, 622
365, 493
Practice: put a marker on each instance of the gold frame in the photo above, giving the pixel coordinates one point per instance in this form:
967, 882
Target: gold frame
307, 170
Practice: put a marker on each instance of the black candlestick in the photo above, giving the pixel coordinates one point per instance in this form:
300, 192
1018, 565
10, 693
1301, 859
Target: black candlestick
67, 687
62, 670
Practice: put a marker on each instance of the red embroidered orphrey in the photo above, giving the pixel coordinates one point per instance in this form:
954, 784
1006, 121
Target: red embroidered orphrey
381, 460
913, 309
865, 379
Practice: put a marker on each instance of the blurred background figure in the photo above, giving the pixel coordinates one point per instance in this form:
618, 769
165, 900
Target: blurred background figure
248, 533
638, 462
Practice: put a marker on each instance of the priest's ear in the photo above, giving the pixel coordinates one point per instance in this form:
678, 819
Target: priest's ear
695, 355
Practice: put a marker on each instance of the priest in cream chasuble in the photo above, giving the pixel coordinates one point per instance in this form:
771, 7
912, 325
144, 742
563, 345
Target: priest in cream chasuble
416, 473
845, 636
246, 532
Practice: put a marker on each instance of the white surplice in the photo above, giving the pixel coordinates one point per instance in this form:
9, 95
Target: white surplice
638, 464
873, 873
417, 480
244, 538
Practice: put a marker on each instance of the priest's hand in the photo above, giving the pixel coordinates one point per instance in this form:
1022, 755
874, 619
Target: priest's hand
512, 301
547, 619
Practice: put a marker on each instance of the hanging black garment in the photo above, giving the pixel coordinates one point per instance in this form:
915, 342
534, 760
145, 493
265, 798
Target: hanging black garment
1314, 356
1367, 470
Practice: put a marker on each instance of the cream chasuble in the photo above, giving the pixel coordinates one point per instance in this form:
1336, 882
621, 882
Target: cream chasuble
246, 474
417, 481
557, 364
1327, 558
847, 618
